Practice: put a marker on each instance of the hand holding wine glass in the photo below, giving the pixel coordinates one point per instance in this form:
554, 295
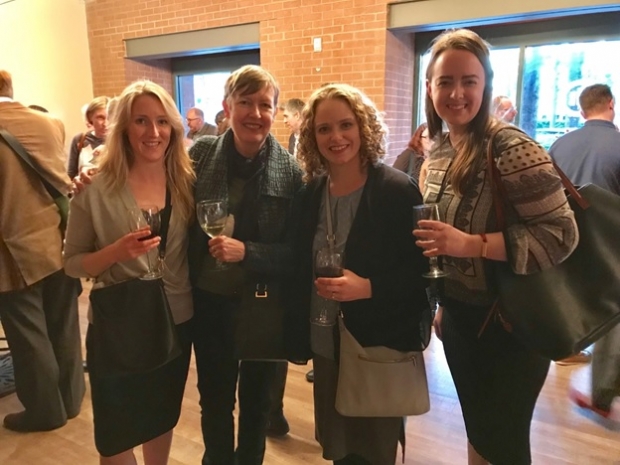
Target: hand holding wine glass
429, 211
149, 216
327, 264
212, 216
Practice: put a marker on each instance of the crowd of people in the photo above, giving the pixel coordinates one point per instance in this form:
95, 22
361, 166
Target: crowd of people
329, 189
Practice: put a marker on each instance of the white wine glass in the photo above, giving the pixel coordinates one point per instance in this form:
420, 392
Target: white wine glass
212, 216
429, 211
327, 264
149, 216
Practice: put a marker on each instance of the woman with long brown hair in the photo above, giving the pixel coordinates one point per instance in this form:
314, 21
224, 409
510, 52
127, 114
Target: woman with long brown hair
497, 378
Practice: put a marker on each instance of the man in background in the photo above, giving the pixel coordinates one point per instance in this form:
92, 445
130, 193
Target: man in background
591, 154
96, 118
503, 109
221, 122
291, 111
197, 127
38, 302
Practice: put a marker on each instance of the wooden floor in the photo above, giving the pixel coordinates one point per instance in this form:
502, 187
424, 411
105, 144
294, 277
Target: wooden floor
561, 433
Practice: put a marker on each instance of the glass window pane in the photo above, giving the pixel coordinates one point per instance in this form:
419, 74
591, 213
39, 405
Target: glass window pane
553, 78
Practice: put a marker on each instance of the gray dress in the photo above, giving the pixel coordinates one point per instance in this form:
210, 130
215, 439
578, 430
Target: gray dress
374, 439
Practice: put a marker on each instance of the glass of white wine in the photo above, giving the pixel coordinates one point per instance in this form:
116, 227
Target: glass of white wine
429, 211
212, 216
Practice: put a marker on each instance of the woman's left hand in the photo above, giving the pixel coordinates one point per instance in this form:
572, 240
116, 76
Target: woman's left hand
345, 288
227, 249
438, 238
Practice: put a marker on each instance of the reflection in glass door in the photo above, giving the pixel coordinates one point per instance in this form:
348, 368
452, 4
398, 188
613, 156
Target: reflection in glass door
553, 78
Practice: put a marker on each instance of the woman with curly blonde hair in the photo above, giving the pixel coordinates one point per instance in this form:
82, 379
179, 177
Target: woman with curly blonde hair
380, 291
144, 158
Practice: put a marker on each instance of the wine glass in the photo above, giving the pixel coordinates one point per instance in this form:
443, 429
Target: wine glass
327, 264
429, 211
212, 216
143, 216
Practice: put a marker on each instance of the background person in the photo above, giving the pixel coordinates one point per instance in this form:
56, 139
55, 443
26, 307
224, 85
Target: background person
411, 159
382, 293
144, 155
503, 109
97, 119
291, 113
591, 154
497, 379
197, 127
38, 301
221, 122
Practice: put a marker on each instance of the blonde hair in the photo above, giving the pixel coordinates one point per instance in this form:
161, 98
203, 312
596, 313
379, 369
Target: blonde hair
117, 157
248, 80
373, 132
472, 148
96, 104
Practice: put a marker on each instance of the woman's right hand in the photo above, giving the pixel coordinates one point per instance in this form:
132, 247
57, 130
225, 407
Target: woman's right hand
437, 322
130, 246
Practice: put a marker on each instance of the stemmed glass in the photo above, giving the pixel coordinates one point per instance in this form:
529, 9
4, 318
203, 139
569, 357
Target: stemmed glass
149, 215
327, 264
212, 215
429, 211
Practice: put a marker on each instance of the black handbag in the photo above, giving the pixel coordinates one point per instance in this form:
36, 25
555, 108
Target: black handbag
561, 310
259, 322
133, 330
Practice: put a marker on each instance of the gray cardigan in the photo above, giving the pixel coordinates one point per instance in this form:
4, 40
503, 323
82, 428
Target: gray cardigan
98, 218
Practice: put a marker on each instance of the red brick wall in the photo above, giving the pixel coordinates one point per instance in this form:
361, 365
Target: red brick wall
357, 49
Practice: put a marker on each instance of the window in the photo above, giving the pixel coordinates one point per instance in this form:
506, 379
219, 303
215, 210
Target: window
200, 79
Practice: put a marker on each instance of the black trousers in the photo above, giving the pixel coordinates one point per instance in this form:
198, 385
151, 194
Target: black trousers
218, 373
43, 333
277, 389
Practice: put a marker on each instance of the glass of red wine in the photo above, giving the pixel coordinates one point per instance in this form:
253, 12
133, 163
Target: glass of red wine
149, 216
327, 264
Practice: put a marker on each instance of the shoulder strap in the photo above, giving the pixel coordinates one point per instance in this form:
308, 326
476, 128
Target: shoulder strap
165, 222
19, 149
80, 144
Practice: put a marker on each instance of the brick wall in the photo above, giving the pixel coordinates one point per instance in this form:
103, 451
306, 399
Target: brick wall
357, 49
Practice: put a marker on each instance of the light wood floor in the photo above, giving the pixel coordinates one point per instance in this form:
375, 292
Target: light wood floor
561, 434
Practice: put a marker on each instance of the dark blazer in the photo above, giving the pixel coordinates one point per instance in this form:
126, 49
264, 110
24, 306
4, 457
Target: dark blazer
291, 144
381, 247
279, 189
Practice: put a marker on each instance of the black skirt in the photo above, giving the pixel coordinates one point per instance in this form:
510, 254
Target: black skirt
131, 410
497, 380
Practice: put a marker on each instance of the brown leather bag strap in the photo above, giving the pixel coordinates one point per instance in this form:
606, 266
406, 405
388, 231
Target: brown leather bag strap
80, 144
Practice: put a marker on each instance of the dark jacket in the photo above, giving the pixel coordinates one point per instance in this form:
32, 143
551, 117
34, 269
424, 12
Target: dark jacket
381, 247
279, 186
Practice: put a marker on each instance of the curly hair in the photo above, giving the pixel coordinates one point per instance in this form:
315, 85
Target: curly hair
118, 157
373, 132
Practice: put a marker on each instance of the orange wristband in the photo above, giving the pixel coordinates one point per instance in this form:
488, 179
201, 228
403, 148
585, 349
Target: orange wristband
485, 245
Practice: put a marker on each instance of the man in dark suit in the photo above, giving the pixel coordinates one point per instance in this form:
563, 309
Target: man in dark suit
38, 302
292, 119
